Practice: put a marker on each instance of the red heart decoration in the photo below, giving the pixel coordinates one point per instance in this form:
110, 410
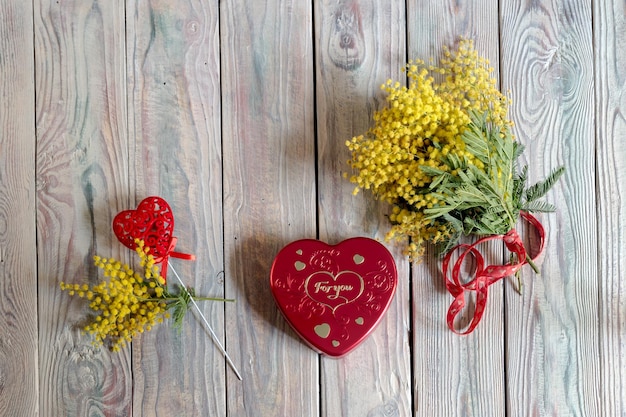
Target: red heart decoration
333, 295
152, 222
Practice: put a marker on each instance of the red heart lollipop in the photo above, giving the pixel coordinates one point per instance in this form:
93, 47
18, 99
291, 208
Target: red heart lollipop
152, 222
333, 296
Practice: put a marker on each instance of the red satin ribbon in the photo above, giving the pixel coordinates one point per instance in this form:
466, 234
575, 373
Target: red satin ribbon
484, 275
171, 253
174, 254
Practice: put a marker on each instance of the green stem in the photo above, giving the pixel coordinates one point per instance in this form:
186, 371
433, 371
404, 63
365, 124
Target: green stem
225, 300
532, 264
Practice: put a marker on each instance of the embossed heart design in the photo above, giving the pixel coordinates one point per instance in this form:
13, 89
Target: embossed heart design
333, 295
152, 222
334, 291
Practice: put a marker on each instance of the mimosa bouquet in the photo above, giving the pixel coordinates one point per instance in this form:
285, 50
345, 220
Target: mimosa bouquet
443, 155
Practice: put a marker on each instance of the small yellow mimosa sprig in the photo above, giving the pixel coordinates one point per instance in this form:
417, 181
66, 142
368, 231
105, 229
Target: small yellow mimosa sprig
131, 303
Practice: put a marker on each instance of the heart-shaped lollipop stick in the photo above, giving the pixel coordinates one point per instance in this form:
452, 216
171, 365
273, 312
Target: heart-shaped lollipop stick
153, 222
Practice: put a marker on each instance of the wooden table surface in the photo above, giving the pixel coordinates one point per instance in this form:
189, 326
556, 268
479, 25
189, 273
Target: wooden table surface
237, 112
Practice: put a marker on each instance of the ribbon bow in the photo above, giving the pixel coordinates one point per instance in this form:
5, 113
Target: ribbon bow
484, 275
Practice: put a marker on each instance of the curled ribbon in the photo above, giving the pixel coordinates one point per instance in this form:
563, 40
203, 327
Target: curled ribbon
484, 275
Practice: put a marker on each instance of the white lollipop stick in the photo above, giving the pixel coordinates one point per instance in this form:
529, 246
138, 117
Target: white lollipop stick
206, 322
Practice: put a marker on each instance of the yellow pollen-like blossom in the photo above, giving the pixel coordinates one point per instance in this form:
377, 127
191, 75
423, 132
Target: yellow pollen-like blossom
422, 124
123, 307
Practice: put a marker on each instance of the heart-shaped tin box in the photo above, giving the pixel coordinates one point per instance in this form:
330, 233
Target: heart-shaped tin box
333, 295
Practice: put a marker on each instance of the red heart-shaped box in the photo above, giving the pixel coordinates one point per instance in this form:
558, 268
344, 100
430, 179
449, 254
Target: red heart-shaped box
334, 295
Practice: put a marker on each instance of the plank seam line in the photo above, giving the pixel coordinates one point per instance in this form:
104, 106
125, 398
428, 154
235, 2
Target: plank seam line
411, 321
35, 200
224, 261
317, 179
504, 309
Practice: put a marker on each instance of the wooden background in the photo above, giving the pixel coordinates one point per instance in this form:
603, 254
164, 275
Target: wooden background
236, 112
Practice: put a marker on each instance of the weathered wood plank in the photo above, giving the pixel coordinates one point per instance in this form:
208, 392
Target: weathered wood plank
359, 45
455, 375
269, 197
81, 183
610, 108
552, 331
19, 385
174, 127
564, 338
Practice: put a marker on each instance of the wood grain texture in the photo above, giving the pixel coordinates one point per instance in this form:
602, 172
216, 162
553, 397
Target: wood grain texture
358, 46
552, 335
455, 375
81, 183
174, 91
237, 112
19, 390
269, 197
610, 131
